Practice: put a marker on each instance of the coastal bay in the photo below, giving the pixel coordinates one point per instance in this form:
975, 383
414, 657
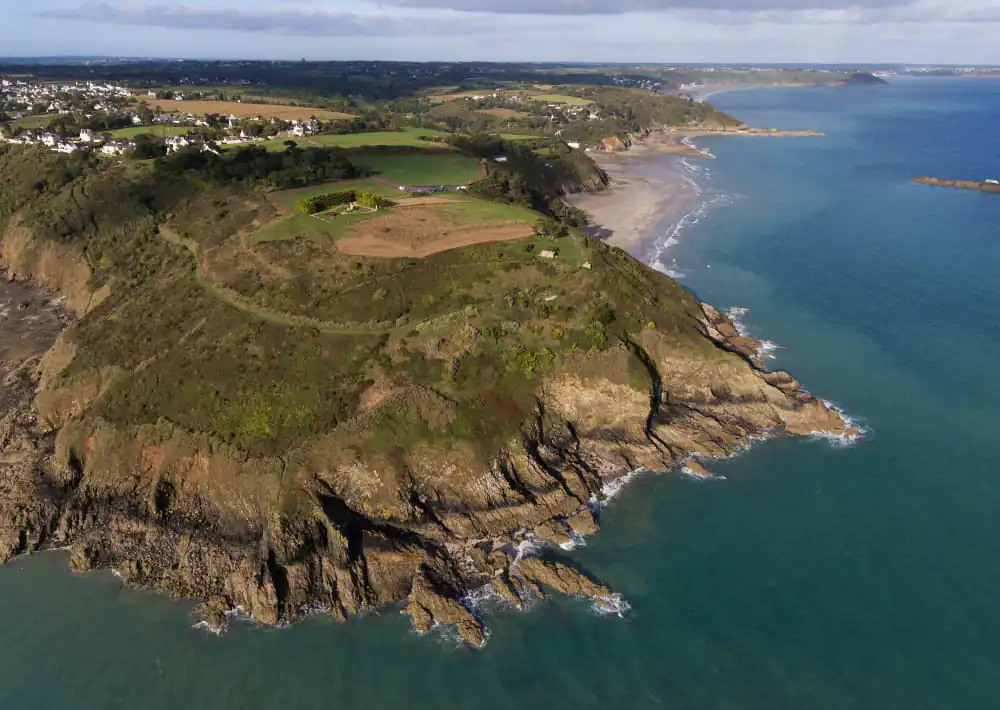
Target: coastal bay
805, 575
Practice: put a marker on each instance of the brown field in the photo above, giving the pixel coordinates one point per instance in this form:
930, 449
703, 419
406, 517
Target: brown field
415, 232
241, 110
502, 112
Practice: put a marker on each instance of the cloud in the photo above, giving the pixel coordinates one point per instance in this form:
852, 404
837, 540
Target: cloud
286, 21
912, 14
619, 7
730, 12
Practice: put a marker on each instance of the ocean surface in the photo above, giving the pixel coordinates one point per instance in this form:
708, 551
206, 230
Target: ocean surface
814, 576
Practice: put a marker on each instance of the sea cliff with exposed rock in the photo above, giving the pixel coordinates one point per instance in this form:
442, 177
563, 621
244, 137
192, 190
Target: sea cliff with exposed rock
473, 444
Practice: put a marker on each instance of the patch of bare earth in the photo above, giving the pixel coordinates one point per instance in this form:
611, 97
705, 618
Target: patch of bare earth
420, 233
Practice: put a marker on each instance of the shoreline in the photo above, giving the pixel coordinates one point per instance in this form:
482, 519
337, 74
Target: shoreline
645, 193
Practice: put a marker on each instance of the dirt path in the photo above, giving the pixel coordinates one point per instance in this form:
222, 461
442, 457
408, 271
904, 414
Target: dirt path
236, 300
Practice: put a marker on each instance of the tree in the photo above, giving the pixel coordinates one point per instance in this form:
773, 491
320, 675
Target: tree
549, 228
370, 199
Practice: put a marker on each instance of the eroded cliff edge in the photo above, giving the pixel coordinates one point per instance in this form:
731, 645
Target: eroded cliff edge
195, 446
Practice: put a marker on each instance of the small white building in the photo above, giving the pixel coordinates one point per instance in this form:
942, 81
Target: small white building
573, 144
88, 136
547, 254
175, 143
66, 147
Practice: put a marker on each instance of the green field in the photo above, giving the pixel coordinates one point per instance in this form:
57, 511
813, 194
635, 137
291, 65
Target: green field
561, 99
160, 131
31, 122
406, 137
289, 197
414, 169
316, 228
519, 136
469, 209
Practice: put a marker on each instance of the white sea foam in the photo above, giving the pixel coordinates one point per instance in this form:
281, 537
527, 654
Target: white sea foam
691, 473
612, 488
843, 440
577, 540
767, 349
613, 605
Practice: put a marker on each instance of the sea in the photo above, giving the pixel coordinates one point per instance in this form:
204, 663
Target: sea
808, 575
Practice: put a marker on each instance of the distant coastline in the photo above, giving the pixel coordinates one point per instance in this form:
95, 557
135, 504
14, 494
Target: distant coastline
980, 185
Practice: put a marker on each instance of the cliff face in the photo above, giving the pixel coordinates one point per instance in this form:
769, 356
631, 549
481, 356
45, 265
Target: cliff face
177, 512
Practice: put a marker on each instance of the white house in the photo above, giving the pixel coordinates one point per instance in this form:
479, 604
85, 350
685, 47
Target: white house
136, 120
573, 144
88, 136
50, 139
175, 143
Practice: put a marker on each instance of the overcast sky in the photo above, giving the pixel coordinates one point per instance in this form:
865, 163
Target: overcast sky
908, 31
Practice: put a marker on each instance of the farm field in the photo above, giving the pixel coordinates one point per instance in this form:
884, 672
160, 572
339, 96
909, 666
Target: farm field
406, 137
519, 136
160, 131
30, 122
415, 170
412, 227
420, 227
561, 99
242, 110
288, 198
502, 112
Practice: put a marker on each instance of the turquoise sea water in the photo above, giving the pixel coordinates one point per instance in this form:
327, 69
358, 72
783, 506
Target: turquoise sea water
814, 576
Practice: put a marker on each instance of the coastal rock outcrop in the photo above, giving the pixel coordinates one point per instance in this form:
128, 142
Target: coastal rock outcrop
992, 186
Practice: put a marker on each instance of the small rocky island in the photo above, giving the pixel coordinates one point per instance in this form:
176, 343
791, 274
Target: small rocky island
981, 185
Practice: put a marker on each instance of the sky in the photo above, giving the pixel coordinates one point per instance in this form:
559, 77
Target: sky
668, 31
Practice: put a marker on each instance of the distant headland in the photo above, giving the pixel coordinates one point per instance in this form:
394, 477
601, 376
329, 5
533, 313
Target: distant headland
981, 185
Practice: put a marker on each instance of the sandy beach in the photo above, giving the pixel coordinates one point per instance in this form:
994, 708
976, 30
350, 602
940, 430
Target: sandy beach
648, 190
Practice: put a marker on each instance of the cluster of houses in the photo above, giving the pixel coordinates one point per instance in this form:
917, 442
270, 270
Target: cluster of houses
86, 139
58, 98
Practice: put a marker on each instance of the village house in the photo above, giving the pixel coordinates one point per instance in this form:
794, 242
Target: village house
175, 143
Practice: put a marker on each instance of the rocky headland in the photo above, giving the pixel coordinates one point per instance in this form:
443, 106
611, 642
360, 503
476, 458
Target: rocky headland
278, 470
980, 185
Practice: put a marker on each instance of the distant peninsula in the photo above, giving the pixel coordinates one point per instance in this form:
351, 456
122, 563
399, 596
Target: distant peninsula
981, 185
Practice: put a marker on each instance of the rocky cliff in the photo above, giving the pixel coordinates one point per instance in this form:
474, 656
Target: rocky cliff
188, 432
148, 505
